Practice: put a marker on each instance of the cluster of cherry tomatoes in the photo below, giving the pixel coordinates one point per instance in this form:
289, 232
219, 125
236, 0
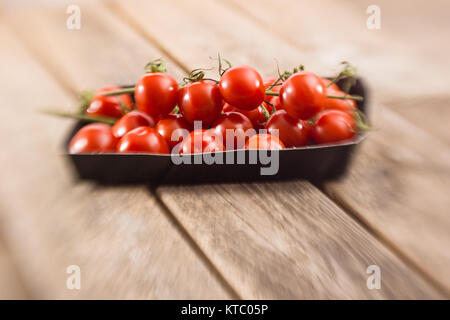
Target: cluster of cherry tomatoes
296, 109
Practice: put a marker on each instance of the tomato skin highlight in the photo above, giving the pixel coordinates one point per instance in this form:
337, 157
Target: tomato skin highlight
130, 121
200, 101
142, 140
201, 140
93, 138
168, 124
242, 87
292, 132
156, 94
303, 95
264, 142
333, 126
237, 122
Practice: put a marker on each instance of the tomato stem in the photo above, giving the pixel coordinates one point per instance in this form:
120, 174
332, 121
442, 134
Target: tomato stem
80, 116
266, 113
356, 98
118, 92
272, 93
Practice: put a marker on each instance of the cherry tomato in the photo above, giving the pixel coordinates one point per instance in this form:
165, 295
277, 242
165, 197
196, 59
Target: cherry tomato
238, 125
200, 101
242, 87
292, 132
302, 95
108, 106
142, 140
347, 105
156, 93
256, 116
93, 138
264, 141
130, 121
201, 140
333, 126
334, 86
168, 124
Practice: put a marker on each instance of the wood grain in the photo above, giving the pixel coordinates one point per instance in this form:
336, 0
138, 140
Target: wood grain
230, 222
124, 242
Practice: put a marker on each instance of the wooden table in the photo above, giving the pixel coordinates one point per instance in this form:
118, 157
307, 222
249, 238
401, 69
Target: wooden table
289, 240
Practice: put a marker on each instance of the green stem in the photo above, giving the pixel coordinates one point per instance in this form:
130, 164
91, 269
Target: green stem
79, 116
356, 98
118, 92
272, 93
266, 113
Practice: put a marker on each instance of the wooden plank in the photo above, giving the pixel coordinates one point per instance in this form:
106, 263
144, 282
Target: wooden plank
11, 284
125, 243
267, 240
398, 183
399, 59
429, 113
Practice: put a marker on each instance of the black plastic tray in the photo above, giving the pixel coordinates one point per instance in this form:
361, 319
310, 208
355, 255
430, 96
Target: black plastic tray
313, 163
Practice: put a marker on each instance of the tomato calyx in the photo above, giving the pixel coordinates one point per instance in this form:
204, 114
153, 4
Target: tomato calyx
157, 65
348, 73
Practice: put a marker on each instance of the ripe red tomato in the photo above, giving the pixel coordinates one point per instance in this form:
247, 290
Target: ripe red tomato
200, 101
168, 124
302, 95
256, 116
142, 140
334, 86
333, 126
264, 141
292, 132
201, 141
242, 87
108, 106
93, 138
130, 121
349, 106
156, 94
238, 125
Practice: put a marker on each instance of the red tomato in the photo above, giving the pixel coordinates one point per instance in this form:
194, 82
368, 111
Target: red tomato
256, 116
242, 87
238, 125
156, 94
108, 106
201, 141
334, 86
293, 132
93, 138
130, 121
200, 101
333, 126
302, 95
346, 105
142, 140
168, 124
264, 141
